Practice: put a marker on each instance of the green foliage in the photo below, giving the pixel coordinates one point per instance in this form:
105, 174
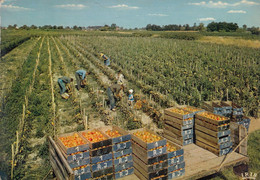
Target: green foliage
253, 152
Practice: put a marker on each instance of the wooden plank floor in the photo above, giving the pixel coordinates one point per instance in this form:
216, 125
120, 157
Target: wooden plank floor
200, 162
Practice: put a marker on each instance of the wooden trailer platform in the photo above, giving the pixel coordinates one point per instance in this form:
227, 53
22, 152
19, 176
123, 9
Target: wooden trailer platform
200, 162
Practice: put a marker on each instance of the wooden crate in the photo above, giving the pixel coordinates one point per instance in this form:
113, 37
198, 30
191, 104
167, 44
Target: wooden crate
215, 140
176, 173
83, 173
182, 122
125, 135
214, 145
122, 160
179, 126
159, 175
212, 121
122, 153
72, 150
96, 159
176, 166
123, 166
103, 172
101, 165
179, 151
178, 132
187, 114
211, 126
100, 151
149, 168
218, 152
213, 133
105, 177
145, 154
177, 139
95, 145
121, 146
145, 145
191, 109
124, 173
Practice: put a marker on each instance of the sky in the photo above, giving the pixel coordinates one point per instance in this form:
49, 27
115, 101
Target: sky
128, 13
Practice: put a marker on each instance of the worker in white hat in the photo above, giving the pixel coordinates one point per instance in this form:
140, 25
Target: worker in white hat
131, 97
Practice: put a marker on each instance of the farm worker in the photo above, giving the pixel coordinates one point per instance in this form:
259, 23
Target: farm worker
131, 97
120, 77
80, 78
113, 92
105, 58
63, 81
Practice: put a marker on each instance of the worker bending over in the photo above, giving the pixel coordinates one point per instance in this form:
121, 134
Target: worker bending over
113, 93
80, 78
105, 58
63, 82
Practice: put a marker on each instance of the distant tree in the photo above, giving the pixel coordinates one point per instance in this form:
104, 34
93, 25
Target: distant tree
254, 30
201, 27
148, 27
222, 26
24, 27
113, 26
194, 28
33, 27
245, 27
67, 27
187, 27
60, 27
54, 27
212, 26
75, 27
12, 27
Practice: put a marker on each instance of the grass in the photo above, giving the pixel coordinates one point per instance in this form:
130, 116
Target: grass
237, 41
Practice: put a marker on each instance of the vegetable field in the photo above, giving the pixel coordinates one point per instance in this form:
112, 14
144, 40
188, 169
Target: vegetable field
162, 71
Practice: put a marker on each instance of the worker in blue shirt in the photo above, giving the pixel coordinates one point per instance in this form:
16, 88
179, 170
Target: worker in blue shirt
63, 82
105, 58
80, 78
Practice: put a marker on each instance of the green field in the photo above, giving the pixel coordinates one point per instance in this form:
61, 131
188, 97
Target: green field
163, 68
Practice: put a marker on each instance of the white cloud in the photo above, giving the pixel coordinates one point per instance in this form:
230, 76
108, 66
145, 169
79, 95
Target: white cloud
237, 11
11, 7
124, 6
160, 15
220, 4
207, 19
249, 2
71, 6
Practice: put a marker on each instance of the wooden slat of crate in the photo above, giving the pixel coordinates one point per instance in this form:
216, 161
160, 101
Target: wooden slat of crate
83, 176
176, 139
101, 158
211, 138
215, 122
152, 174
100, 151
75, 149
211, 132
147, 154
82, 170
178, 132
179, 138
178, 126
102, 172
122, 153
175, 160
125, 135
121, 167
99, 144
101, 165
121, 146
145, 145
58, 162
213, 150
176, 167
180, 116
214, 145
150, 168
106, 177
175, 174
122, 160
141, 177
168, 118
124, 173
211, 126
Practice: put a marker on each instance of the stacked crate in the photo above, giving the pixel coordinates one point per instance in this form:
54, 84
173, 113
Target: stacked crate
75, 149
178, 126
122, 151
238, 116
218, 107
176, 164
212, 132
149, 155
100, 154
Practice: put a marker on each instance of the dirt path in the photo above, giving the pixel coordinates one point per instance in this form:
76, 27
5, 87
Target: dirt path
254, 124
